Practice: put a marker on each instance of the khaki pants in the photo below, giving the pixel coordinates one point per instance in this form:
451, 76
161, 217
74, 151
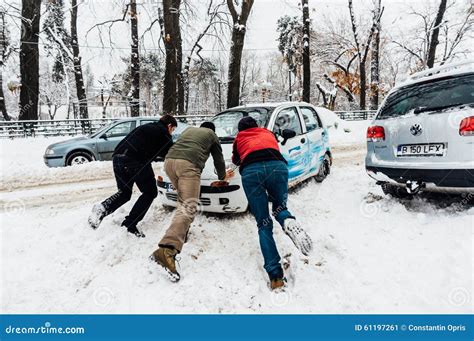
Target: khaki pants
186, 179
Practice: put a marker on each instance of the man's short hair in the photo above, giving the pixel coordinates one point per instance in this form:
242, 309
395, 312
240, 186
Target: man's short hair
208, 125
168, 119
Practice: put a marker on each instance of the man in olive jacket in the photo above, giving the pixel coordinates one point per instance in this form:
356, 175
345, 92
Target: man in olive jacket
183, 165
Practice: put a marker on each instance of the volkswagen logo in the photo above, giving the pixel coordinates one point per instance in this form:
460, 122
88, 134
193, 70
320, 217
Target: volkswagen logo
416, 130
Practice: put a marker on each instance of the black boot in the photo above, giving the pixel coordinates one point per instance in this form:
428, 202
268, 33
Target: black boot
133, 230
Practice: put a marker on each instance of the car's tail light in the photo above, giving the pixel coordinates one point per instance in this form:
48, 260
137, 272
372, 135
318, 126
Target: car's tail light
466, 128
160, 178
375, 134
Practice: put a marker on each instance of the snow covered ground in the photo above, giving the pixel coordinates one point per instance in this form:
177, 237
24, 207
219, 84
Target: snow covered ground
372, 254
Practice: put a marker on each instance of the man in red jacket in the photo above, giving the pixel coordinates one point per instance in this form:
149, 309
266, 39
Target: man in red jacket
265, 179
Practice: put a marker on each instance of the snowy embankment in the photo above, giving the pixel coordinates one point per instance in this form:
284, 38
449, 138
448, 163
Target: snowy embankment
372, 254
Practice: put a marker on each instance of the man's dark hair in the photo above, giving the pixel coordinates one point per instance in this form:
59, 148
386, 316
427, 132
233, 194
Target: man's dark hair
168, 119
246, 123
208, 125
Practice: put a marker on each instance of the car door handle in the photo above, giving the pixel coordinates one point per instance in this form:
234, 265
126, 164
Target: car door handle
303, 140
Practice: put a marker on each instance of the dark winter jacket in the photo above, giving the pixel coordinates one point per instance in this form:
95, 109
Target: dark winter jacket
255, 145
146, 143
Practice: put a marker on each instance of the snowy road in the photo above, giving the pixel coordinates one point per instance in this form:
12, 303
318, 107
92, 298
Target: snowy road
372, 253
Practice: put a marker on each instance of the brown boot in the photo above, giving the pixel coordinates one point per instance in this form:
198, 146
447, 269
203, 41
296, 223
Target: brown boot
166, 258
277, 283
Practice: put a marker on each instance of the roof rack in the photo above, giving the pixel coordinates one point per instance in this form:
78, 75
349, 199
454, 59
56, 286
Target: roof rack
467, 65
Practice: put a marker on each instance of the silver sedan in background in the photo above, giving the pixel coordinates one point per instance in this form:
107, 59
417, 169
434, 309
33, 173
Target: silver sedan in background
98, 146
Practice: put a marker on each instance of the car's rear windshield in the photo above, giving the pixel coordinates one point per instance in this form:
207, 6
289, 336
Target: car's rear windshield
430, 97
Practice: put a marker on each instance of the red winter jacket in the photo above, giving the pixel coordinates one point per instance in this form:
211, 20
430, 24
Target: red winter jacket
254, 145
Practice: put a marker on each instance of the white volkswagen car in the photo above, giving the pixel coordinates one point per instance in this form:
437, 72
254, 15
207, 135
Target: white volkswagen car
423, 135
303, 142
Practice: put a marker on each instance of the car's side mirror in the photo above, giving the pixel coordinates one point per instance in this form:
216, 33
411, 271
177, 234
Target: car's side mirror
103, 136
287, 134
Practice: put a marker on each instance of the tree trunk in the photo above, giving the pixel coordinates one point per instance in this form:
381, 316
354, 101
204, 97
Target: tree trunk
29, 59
434, 36
237, 44
135, 62
363, 86
78, 76
375, 63
306, 60
171, 40
3, 107
179, 65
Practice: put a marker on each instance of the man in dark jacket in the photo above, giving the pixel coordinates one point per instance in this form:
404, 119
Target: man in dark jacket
132, 165
183, 165
265, 179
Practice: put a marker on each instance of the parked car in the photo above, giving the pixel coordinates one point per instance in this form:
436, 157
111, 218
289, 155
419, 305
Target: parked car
422, 138
97, 146
303, 142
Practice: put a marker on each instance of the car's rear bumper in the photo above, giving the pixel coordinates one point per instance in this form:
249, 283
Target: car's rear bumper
461, 179
227, 199
54, 160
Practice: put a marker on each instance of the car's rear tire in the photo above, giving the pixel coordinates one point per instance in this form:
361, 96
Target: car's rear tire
395, 191
324, 170
78, 158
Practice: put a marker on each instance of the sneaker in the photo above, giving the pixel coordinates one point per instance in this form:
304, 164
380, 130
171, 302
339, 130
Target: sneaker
166, 258
298, 236
133, 230
277, 283
97, 215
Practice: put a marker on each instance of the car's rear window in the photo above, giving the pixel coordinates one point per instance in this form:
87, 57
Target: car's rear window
430, 97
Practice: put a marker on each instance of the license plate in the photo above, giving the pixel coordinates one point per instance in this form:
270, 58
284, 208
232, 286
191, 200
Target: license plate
426, 149
169, 188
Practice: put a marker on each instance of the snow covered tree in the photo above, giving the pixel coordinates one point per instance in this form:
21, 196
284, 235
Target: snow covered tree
77, 66
29, 59
375, 59
362, 46
306, 55
58, 39
290, 40
448, 26
134, 62
173, 91
239, 11
5, 51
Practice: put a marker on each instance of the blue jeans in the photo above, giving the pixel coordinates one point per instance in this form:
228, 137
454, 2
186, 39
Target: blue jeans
265, 182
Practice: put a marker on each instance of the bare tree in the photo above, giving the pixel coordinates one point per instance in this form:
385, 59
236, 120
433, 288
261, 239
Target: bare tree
29, 59
435, 34
134, 62
306, 59
172, 41
362, 49
78, 75
5, 51
131, 9
375, 59
453, 32
239, 28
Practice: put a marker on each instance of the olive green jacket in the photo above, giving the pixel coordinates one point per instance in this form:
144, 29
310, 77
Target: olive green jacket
195, 145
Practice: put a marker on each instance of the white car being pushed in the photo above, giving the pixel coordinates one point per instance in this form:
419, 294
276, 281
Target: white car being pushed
303, 142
